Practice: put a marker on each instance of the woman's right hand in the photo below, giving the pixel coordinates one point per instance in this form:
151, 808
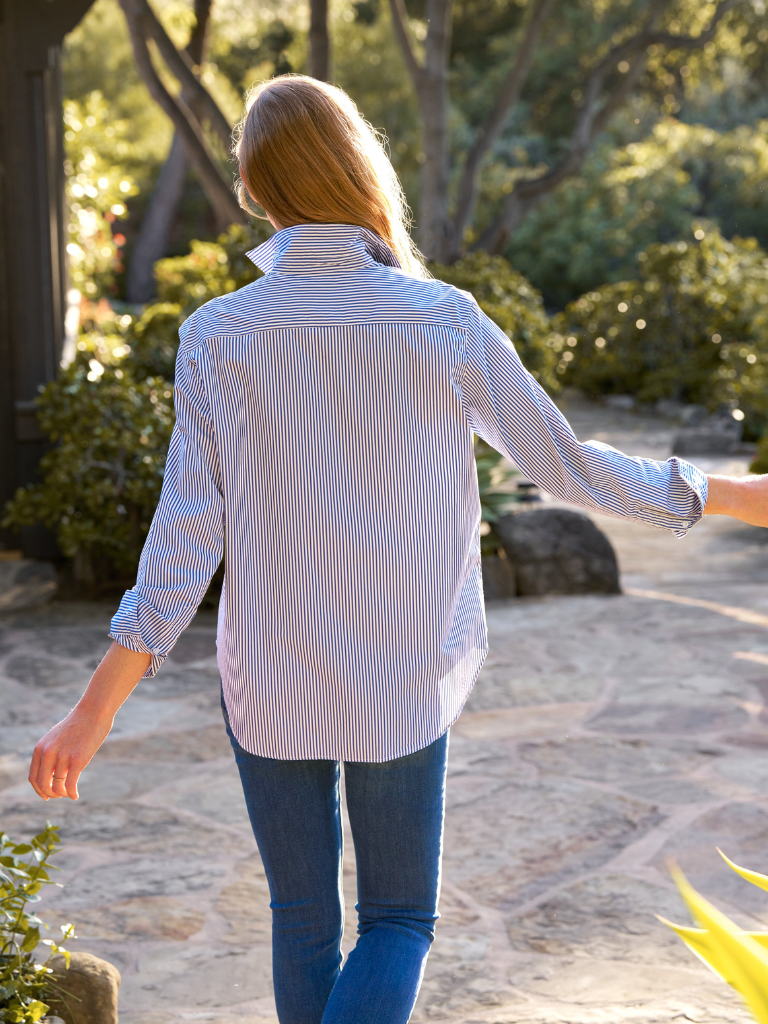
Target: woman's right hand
65, 750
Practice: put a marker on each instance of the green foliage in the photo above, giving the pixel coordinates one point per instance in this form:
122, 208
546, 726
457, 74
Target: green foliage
97, 189
211, 268
693, 326
492, 476
23, 981
510, 301
110, 414
589, 231
760, 462
110, 423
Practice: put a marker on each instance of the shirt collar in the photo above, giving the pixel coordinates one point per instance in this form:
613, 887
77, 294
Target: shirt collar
322, 249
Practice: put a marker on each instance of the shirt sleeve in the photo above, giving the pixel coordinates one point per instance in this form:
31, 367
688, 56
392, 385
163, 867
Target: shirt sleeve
185, 542
509, 410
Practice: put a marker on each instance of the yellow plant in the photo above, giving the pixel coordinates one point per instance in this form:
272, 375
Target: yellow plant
740, 958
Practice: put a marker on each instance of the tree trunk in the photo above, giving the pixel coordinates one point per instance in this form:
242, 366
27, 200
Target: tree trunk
217, 189
319, 44
435, 228
152, 241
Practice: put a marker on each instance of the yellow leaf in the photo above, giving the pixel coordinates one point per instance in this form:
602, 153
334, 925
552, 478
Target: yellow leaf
751, 876
730, 952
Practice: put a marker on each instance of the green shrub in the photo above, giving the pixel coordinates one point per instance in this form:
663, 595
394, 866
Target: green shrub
491, 475
110, 415
24, 981
210, 268
101, 479
589, 230
513, 303
693, 326
760, 462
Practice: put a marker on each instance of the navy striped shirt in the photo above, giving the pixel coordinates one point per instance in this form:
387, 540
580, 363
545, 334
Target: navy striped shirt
323, 446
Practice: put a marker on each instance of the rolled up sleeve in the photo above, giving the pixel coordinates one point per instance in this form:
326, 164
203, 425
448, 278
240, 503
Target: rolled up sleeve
185, 542
507, 408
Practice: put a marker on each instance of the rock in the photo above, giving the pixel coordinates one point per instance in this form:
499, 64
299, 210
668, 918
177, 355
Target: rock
624, 403
499, 581
24, 583
707, 435
556, 551
706, 441
87, 992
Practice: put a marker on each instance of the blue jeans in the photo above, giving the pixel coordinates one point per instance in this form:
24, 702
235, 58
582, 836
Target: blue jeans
396, 812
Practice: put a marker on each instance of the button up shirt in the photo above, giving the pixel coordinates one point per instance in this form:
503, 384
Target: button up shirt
323, 446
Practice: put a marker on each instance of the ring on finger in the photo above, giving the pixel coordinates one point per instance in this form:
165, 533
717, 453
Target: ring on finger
59, 778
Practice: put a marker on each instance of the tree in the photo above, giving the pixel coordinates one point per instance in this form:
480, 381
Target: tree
190, 111
319, 43
152, 240
612, 72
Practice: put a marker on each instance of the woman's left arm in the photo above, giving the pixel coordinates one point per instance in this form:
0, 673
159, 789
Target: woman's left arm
509, 410
744, 498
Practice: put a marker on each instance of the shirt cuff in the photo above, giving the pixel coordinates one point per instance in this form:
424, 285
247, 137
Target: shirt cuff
696, 487
138, 627
135, 643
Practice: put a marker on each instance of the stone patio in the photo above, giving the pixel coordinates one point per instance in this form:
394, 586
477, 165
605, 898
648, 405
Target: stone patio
603, 735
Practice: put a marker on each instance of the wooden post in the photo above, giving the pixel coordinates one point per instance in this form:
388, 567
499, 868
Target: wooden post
32, 268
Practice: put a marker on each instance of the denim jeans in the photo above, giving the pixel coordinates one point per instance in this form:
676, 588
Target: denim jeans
396, 811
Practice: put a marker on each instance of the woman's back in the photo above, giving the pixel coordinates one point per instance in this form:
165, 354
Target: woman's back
345, 465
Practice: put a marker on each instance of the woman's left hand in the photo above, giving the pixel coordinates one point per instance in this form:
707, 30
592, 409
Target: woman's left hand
744, 498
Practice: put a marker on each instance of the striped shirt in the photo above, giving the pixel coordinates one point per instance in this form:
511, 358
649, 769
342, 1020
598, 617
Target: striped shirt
323, 446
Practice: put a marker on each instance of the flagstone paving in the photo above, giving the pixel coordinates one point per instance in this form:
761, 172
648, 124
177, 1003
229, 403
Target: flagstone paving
605, 733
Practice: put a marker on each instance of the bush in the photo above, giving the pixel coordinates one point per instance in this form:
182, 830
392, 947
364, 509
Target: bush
210, 268
693, 327
101, 479
760, 462
513, 303
589, 230
23, 981
491, 474
110, 415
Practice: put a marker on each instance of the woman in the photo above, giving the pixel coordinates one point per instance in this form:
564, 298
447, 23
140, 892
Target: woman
324, 430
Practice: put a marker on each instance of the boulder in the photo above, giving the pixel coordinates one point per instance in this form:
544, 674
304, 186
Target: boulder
557, 551
24, 584
86, 993
701, 434
499, 581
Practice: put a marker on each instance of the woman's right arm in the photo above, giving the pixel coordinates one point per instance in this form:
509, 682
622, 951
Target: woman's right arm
182, 551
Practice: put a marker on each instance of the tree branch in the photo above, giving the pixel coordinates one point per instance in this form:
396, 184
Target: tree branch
400, 22
594, 117
180, 64
508, 98
220, 195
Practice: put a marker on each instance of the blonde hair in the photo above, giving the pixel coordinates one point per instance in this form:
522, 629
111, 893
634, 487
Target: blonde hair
307, 155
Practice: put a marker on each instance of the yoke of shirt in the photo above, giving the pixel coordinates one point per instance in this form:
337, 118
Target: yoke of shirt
351, 279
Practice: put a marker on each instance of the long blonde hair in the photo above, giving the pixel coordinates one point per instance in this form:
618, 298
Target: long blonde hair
307, 155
